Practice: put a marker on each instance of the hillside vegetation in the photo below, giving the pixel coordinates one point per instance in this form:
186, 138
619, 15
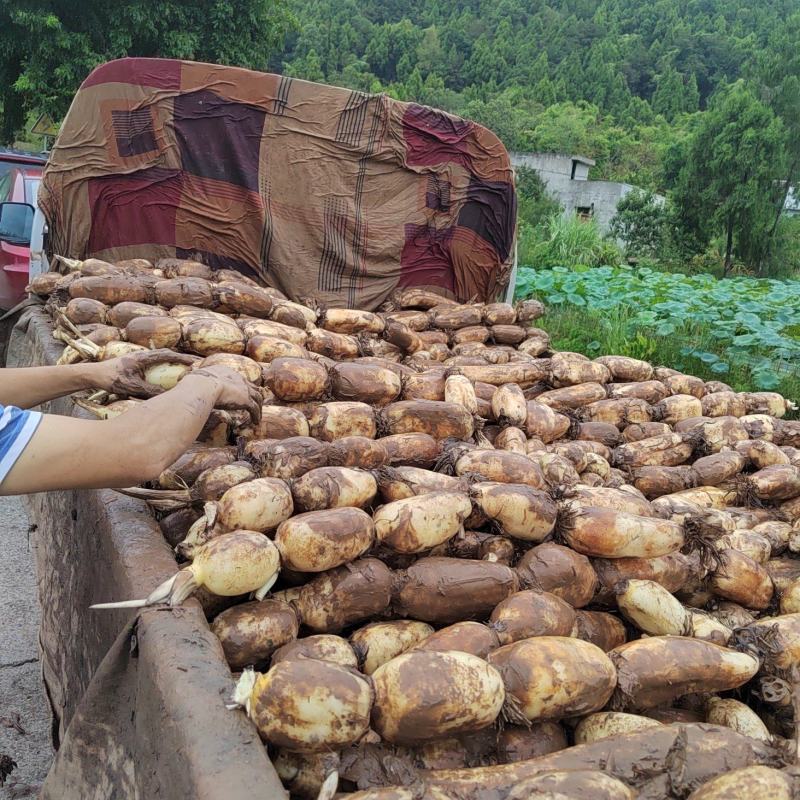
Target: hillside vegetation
696, 99
610, 79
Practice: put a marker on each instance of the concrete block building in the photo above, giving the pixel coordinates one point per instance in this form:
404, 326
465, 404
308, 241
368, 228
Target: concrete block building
567, 181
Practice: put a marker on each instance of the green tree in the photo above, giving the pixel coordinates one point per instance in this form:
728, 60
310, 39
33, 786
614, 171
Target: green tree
47, 47
674, 94
534, 205
430, 54
570, 72
357, 75
308, 67
641, 223
486, 63
731, 164
605, 84
414, 87
392, 50
778, 70
566, 128
508, 114
545, 92
691, 95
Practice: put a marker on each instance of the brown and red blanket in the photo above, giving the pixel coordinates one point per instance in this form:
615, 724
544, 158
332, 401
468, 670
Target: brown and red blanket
322, 192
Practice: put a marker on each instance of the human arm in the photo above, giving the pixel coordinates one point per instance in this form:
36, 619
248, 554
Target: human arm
26, 387
71, 453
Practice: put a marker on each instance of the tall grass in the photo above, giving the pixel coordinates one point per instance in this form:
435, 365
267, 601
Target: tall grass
566, 241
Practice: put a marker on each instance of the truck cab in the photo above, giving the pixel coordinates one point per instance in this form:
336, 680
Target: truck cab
20, 176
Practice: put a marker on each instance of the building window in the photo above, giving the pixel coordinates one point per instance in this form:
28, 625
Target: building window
574, 168
585, 213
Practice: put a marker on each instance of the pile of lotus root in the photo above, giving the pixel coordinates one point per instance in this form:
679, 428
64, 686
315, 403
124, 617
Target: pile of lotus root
490, 570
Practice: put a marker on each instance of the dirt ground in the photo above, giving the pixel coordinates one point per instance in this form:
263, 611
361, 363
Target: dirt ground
24, 715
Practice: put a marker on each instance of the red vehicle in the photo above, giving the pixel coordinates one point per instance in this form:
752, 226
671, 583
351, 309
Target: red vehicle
20, 175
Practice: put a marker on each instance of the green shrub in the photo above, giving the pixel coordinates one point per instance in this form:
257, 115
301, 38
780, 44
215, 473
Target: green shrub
534, 205
783, 260
568, 241
640, 222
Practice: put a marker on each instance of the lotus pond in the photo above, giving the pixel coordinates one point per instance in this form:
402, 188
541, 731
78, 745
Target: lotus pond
744, 331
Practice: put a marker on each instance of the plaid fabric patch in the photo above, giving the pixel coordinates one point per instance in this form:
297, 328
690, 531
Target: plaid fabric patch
437, 196
486, 212
219, 139
281, 102
134, 132
333, 259
322, 192
351, 120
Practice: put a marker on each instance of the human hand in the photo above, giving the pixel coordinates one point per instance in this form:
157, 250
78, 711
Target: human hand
234, 392
127, 375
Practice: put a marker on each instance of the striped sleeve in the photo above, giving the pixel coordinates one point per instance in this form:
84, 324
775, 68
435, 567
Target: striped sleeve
16, 429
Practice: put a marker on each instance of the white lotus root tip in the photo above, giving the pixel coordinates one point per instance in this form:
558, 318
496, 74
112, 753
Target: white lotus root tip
160, 594
329, 786
243, 690
72, 263
261, 593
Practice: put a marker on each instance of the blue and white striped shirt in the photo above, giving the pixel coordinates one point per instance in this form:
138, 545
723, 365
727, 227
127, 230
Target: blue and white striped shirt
16, 429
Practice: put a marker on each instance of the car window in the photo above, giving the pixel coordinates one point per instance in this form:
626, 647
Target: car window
31, 190
5, 184
16, 222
